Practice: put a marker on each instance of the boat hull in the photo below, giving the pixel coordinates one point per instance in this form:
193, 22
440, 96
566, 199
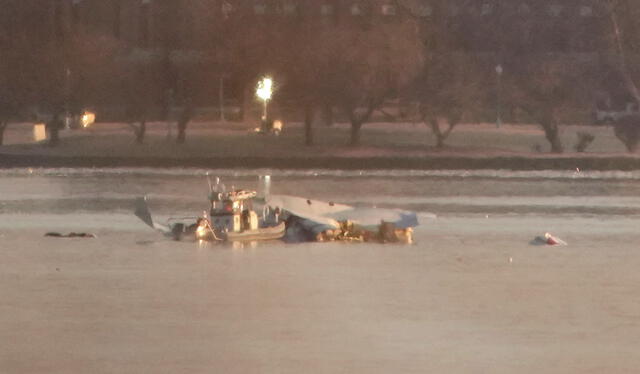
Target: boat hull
263, 233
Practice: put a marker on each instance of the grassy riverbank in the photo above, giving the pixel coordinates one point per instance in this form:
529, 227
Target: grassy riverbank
383, 145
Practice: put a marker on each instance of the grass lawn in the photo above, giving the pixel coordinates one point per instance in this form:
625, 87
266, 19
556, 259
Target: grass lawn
232, 139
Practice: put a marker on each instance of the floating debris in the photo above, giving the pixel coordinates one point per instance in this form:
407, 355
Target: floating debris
70, 235
547, 239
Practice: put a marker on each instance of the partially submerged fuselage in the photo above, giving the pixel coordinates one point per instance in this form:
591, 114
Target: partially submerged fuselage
320, 221
232, 217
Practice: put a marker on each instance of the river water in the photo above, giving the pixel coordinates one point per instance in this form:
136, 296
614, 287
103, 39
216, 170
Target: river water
181, 191
471, 295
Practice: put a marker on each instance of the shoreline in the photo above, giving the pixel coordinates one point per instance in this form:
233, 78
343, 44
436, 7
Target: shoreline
608, 163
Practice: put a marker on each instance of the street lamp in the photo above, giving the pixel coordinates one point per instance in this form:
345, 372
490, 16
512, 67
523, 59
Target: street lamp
499, 99
264, 92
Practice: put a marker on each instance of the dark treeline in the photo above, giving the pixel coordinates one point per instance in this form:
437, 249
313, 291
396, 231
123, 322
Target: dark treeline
443, 62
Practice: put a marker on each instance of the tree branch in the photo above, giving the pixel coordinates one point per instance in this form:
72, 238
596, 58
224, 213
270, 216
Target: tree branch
617, 32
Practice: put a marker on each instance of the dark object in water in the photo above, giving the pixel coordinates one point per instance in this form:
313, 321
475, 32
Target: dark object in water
70, 235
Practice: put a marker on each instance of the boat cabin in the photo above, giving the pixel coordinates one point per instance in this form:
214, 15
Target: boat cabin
233, 211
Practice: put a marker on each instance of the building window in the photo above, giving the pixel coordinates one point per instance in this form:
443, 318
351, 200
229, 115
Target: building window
326, 9
388, 10
260, 9
586, 11
555, 10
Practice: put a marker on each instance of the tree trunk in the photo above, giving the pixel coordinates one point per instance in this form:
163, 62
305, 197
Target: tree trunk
3, 126
628, 133
247, 104
355, 133
626, 74
54, 137
308, 125
327, 114
552, 133
440, 135
435, 128
357, 121
53, 128
185, 117
140, 132
181, 133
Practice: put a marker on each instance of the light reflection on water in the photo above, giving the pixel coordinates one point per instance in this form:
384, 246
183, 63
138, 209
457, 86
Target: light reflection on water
236, 247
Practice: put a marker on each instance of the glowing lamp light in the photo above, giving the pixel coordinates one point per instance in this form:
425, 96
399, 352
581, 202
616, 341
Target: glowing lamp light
265, 88
88, 118
264, 92
201, 232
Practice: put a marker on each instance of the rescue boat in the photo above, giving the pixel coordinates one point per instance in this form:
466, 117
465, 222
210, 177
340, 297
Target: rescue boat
232, 217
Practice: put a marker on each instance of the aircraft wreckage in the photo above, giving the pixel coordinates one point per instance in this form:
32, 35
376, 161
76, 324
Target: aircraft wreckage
240, 215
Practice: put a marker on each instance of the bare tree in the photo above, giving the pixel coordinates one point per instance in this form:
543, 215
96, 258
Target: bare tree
623, 16
19, 62
183, 121
548, 88
7, 102
54, 87
369, 66
452, 85
138, 93
627, 129
48, 67
455, 79
249, 51
6, 111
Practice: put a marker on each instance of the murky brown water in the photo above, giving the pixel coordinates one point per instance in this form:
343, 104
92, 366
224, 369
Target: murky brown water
471, 296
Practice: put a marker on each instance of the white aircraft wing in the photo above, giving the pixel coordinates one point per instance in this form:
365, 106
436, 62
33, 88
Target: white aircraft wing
313, 210
329, 213
372, 217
